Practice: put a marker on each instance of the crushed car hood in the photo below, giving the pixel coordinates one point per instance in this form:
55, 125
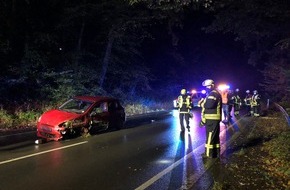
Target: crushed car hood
55, 117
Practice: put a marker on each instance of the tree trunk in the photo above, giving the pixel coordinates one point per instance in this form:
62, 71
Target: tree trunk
107, 56
79, 44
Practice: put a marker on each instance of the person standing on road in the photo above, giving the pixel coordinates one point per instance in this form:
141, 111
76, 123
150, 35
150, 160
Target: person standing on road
236, 99
255, 103
247, 101
184, 105
211, 117
224, 92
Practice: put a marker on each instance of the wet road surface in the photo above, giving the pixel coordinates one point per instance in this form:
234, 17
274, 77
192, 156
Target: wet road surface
153, 156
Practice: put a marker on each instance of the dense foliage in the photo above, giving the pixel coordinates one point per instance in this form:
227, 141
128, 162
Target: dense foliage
51, 50
56, 49
263, 27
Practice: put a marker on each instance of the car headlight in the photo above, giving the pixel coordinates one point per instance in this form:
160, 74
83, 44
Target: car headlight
67, 124
72, 123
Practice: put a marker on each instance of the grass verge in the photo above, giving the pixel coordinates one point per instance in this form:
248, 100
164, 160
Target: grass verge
259, 157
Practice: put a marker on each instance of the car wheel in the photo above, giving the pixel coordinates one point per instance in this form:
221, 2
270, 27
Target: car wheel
85, 132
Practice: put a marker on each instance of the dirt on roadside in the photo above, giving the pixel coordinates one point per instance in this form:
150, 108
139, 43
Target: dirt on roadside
258, 158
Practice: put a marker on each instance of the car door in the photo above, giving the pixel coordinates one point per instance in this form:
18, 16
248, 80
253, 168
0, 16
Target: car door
100, 117
116, 114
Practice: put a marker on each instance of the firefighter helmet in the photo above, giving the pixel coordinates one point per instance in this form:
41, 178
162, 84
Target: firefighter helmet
255, 91
208, 82
248, 91
237, 90
183, 91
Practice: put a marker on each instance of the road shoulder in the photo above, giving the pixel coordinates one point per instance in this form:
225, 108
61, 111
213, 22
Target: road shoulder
249, 161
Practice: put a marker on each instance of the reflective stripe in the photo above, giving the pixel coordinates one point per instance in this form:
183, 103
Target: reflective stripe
216, 146
214, 116
187, 102
208, 144
202, 115
211, 97
180, 101
212, 146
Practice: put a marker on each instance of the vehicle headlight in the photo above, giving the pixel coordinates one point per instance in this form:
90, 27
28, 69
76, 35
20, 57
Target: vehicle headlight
67, 124
71, 124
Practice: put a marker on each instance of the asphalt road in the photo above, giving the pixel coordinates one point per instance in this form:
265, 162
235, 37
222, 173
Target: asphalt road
148, 154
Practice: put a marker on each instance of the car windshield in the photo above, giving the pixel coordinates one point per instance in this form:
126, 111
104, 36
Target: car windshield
75, 105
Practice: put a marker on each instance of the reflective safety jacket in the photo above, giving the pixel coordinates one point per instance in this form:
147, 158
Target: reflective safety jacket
184, 103
255, 100
248, 99
211, 106
236, 99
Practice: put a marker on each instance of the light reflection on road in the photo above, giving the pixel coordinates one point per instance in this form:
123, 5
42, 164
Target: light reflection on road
194, 166
190, 146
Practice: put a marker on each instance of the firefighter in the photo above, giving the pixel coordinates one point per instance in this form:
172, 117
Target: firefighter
184, 105
211, 117
236, 99
255, 104
247, 101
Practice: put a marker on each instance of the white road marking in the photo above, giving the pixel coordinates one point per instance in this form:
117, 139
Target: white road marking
180, 161
39, 153
168, 169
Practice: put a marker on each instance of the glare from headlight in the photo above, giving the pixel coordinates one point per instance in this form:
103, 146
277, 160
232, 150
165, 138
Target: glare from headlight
36, 142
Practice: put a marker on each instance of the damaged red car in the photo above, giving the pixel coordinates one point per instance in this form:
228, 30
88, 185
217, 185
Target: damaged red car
81, 114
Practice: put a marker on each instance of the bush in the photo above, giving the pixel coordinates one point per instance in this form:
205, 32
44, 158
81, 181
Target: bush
27, 118
145, 106
6, 120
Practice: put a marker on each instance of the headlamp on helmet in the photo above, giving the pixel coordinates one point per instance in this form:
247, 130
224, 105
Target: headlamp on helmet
183, 91
208, 82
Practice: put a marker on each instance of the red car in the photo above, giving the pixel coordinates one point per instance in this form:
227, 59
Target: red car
81, 114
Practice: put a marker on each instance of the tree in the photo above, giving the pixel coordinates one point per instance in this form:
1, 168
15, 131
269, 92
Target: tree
74, 47
277, 75
263, 27
112, 40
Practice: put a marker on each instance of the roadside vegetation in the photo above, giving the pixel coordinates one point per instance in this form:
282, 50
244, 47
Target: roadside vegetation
259, 157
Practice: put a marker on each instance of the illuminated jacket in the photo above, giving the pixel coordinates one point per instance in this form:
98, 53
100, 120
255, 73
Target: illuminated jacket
255, 100
211, 106
236, 99
184, 103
